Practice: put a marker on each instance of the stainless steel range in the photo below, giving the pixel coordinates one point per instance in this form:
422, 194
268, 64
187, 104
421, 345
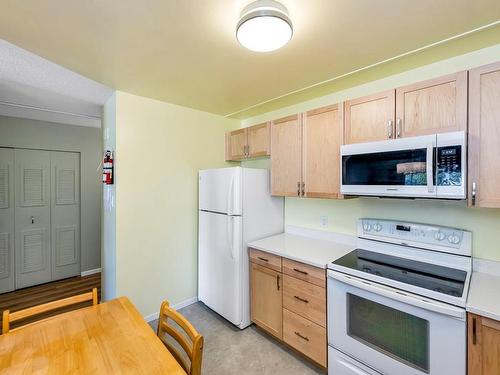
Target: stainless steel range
396, 304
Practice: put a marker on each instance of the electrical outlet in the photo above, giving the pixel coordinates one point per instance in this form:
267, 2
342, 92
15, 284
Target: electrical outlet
323, 221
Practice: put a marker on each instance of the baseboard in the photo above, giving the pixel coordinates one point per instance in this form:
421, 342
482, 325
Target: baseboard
91, 272
177, 306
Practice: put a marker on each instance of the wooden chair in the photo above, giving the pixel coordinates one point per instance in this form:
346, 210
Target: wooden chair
9, 317
192, 347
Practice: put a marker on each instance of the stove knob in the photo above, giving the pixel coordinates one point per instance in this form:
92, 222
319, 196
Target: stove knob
377, 227
440, 236
367, 227
453, 239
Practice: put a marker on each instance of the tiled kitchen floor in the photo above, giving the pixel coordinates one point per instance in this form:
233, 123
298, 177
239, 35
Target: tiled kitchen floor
231, 351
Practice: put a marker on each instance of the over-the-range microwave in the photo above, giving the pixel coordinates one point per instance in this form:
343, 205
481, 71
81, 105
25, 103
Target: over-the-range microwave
430, 166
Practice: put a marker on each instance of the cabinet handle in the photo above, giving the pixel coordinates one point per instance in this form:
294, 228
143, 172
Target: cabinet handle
32, 220
390, 129
300, 271
302, 337
399, 126
303, 188
301, 299
278, 282
473, 194
474, 331
263, 259
298, 189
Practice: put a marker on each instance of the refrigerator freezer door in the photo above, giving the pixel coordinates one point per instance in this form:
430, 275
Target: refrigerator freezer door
219, 272
220, 190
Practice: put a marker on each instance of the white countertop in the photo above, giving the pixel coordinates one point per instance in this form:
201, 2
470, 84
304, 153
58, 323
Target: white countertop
484, 295
312, 251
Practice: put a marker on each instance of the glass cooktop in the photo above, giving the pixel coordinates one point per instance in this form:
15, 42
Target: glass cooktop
437, 278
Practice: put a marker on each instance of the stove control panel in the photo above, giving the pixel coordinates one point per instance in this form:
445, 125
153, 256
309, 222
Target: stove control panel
415, 234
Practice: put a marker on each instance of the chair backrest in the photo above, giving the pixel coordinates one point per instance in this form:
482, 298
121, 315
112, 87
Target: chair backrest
192, 344
9, 317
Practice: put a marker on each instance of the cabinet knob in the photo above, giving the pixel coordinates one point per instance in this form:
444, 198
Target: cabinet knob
473, 193
390, 127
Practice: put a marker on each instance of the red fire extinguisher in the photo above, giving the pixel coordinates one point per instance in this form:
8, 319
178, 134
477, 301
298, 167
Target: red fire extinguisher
107, 168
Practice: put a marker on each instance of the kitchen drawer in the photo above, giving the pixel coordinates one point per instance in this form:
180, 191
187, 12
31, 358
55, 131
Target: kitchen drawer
305, 336
265, 259
305, 299
304, 272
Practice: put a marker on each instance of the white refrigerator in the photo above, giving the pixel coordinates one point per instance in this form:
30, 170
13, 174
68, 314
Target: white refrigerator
235, 207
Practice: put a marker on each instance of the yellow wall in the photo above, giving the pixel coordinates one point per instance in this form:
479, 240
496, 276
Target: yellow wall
342, 215
159, 149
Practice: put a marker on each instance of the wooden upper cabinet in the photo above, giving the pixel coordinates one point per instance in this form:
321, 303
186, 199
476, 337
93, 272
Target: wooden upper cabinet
483, 345
321, 152
266, 299
259, 140
435, 106
286, 156
236, 144
250, 142
370, 118
484, 136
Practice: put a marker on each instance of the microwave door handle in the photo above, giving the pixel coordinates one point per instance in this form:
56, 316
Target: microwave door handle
430, 168
401, 296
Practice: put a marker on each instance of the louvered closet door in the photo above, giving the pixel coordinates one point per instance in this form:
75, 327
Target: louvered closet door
32, 217
65, 214
6, 220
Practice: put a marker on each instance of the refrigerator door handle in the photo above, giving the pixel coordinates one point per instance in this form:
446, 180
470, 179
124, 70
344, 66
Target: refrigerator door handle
230, 197
230, 235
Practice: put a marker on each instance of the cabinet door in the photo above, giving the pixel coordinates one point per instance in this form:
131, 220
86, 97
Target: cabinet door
321, 146
259, 140
32, 217
484, 345
484, 136
6, 220
266, 299
435, 106
65, 214
370, 118
286, 158
236, 144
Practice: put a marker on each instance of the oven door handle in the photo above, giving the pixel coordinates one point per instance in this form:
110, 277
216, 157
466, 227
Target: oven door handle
400, 296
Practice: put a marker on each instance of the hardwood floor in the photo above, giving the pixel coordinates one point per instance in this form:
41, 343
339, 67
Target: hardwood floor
36, 295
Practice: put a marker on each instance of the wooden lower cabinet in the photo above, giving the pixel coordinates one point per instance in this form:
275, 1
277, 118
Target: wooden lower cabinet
290, 305
483, 345
266, 301
305, 336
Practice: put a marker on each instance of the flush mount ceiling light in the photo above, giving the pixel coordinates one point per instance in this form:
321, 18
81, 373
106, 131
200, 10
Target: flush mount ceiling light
264, 26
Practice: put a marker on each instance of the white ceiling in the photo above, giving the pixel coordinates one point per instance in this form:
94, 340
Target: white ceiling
185, 51
33, 87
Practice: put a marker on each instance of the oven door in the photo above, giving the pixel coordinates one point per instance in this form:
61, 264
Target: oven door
394, 332
401, 167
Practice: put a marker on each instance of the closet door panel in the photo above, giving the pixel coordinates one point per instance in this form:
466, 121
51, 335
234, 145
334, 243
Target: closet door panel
32, 217
65, 214
6, 220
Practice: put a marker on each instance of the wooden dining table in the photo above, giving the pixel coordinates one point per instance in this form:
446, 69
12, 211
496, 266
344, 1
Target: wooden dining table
108, 338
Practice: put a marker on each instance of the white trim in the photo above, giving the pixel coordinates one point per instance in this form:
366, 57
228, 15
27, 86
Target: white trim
486, 266
91, 272
177, 306
346, 239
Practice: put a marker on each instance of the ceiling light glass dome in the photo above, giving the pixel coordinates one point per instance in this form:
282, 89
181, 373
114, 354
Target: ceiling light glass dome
264, 26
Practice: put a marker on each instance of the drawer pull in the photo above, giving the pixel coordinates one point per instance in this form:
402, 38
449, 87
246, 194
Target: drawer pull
301, 299
302, 337
263, 259
300, 271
